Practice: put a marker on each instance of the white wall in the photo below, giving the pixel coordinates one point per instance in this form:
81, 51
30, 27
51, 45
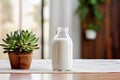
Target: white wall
62, 14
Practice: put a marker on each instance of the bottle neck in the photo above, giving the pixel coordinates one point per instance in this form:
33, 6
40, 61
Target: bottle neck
62, 32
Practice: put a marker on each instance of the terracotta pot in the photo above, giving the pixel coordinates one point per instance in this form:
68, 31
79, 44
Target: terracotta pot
20, 60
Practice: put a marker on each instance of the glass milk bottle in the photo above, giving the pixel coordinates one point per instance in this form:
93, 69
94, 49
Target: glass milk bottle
62, 50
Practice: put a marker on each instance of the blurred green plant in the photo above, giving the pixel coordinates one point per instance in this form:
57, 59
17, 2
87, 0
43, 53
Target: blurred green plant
93, 27
87, 7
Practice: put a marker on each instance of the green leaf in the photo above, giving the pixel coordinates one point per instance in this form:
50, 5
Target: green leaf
8, 35
82, 1
36, 48
3, 45
5, 51
93, 27
98, 15
102, 1
83, 11
93, 2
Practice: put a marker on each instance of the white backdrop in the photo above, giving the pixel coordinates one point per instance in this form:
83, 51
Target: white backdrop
62, 14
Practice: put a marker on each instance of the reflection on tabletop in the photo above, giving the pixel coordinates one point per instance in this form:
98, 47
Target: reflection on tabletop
62, 76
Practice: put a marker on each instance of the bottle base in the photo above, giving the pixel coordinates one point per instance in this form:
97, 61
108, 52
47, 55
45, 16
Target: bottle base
61, 70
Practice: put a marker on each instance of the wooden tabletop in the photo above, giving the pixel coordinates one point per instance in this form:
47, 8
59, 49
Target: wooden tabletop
82, 70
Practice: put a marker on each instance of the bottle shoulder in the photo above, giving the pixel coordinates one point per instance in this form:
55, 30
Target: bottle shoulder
65, 40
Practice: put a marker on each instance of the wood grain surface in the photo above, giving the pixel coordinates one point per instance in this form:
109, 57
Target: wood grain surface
107, 43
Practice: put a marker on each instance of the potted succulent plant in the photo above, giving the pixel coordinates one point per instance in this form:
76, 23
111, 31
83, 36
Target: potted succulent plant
19, 46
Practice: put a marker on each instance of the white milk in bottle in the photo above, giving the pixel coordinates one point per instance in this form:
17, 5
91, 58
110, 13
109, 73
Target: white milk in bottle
62, 50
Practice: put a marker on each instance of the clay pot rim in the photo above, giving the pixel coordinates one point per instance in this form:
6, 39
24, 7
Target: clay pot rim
20, 53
